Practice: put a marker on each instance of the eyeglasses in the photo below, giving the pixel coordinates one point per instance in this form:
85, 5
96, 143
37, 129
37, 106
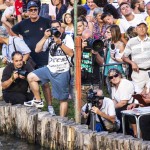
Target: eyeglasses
114, 76
33, 10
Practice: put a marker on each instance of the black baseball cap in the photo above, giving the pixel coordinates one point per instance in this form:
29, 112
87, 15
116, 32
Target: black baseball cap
31, 4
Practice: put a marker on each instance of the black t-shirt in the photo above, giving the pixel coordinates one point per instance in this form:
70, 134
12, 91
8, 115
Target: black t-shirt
19, 85
90, 68
32, 33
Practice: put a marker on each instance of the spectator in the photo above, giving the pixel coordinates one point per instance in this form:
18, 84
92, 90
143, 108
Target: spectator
112, 10
109, 19
144, 120
18, 9
99, 27
115, 48
14, 83
32, 30
129, 19
121, 95
12, 44
8, 16
25, 7
106, 110
92, 6
68, 21
138, 7
60, 8
80, 26
138, 48
57, 70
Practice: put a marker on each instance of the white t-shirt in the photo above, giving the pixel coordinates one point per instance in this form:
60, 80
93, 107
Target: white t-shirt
9, 11
58, 62
108, 108
124, 91
124, 24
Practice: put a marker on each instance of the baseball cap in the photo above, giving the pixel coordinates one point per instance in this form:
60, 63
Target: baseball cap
142, 22
3, 32
32, 4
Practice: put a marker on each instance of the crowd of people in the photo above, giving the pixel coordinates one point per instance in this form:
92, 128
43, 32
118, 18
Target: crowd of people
38, 48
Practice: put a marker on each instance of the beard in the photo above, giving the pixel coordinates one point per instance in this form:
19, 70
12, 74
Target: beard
141, 9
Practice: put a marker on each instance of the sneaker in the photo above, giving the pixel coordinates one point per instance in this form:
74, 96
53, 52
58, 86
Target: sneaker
29, 103
38, 104
51, 110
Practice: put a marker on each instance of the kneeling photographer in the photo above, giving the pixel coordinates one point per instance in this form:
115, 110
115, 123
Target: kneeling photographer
99, 112
92, 58
14, 83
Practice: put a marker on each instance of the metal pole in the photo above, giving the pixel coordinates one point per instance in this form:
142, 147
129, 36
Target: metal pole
77, 73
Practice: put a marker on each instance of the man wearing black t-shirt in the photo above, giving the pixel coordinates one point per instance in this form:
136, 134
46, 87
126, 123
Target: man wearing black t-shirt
32, 30
14, 83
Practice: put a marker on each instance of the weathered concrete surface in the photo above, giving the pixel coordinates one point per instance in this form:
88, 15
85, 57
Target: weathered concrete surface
60, 133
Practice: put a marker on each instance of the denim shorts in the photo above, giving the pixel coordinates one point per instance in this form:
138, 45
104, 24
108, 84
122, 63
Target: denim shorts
59, 82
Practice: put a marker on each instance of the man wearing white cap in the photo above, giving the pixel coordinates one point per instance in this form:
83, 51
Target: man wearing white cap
138, 48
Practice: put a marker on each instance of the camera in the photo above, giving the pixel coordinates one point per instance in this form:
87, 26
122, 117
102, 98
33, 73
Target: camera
93, 98
21, 72
96, 45
54, 32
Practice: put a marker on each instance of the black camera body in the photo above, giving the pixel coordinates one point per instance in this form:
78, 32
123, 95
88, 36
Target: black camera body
54, 32
95, 44
21, 72
93, 98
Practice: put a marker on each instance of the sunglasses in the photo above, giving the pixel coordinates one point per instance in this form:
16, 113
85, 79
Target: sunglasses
114, 76
33, 10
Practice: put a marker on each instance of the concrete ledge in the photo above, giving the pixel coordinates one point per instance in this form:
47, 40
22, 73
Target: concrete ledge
60, 133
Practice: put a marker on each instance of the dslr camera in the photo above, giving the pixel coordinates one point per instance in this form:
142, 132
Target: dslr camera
54, 32
96, 45
93, 98
22, 72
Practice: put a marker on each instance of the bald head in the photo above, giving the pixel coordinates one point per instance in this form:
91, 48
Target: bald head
86, 34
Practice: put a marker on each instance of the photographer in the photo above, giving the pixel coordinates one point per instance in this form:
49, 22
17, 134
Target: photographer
92, 57
104, 107
14, 83
60, 47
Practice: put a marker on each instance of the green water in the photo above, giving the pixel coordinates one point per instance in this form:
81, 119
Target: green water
12, 143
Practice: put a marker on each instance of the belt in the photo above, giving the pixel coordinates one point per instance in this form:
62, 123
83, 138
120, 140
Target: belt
144, 69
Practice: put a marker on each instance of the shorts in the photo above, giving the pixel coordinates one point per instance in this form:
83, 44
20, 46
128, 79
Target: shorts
59, 82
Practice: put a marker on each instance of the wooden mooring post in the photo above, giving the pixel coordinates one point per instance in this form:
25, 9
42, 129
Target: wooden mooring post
60, 133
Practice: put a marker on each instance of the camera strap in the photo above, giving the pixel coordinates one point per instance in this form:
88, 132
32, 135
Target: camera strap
102, 123
14, 44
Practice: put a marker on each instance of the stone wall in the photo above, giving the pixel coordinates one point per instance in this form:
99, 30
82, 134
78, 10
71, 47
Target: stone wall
60, 133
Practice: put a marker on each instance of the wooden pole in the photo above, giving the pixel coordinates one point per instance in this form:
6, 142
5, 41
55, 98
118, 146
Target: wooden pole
77, 79
77, 73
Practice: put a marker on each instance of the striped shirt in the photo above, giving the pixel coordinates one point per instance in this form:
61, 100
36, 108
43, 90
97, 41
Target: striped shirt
139, 50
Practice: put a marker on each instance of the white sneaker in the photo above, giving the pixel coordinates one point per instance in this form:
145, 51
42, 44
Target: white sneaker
38, 104
29, 103
51, 110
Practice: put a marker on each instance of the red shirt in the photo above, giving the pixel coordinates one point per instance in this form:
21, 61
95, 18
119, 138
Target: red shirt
18, 7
